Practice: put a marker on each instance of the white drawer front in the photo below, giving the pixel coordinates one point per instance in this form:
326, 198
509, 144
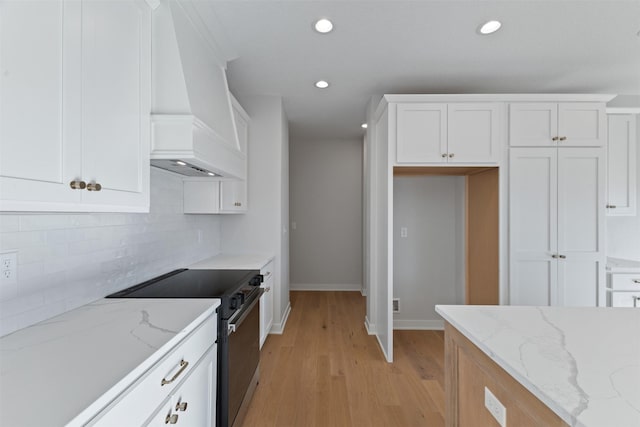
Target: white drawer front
625, 299
147, 393
625, 282
268, 270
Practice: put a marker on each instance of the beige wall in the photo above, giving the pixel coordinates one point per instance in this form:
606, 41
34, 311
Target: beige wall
325, 185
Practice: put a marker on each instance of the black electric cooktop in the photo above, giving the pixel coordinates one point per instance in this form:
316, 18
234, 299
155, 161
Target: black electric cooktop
192, 284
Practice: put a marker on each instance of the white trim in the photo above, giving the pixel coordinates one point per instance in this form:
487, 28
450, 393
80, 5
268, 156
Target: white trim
370, 327
424, 325
363, 292
500, 97
278, 328
623, 110
326, 287
386, 356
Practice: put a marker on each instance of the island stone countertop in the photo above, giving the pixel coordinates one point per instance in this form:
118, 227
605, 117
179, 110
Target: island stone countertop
233, 262
583, 363
71, 366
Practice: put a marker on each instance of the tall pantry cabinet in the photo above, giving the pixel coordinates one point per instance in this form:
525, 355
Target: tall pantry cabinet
557, 186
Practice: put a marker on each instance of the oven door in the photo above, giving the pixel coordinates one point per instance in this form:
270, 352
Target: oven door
244, 357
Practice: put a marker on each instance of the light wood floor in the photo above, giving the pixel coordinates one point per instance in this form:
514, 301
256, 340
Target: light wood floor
326, 371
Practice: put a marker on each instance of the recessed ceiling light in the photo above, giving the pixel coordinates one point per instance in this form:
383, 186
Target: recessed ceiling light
364, 126
323, 26
321, 84
211, 174
178, 162
490, 27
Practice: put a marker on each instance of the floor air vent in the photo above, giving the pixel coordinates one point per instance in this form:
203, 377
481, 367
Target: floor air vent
396, 305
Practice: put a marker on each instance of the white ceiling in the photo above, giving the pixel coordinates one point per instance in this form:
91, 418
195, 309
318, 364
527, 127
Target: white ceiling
423, 47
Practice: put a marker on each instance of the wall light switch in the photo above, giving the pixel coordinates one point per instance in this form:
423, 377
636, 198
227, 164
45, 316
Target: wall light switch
403, 232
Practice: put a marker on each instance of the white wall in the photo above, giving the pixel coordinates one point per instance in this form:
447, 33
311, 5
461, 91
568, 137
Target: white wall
263, 229
326, 207
623, 232
428, 266
66, 260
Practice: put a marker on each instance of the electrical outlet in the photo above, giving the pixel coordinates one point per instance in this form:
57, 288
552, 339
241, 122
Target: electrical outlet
403, 232
9, 267
495, 407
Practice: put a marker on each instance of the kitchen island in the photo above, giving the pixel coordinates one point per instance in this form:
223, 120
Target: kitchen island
546, 365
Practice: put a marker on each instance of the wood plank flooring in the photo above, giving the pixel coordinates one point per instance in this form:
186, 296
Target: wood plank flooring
326, 371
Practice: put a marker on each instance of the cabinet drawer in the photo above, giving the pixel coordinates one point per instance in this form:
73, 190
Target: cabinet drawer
624, 299
147, 393
625, 282
268, 270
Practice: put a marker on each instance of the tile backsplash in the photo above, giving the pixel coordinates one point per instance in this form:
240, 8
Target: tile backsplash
66, 260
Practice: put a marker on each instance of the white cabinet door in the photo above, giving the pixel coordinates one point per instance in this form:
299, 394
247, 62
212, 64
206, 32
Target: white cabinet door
116, 76
533, 124
556, 223
266, 302
39, 115
473, 133
533, 226
582, 124
568, 124
233, 196
421, 135
581, 190
621, 165
193, 403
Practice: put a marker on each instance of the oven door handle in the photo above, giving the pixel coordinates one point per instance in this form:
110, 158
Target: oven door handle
237, 320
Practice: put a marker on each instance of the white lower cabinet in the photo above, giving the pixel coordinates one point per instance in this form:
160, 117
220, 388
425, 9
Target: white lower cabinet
556, 223
193, 402
624, 289
266, 301
179, 388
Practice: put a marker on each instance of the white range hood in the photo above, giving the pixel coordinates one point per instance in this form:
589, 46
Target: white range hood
192, 120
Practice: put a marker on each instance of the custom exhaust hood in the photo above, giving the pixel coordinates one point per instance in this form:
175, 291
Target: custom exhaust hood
193, 132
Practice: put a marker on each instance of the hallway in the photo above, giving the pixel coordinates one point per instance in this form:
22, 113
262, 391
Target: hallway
326, 371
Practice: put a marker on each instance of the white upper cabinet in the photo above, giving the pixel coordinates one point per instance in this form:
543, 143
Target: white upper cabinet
233, 194
577, 124
447, 133
74, 112
621, 161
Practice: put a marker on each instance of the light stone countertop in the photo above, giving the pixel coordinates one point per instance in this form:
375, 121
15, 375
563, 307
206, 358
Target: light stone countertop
619, 265
80, 360
233, 262
583, 363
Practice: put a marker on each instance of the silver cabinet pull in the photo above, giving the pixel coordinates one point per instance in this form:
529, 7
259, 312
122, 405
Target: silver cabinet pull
94, 186
636, 281
563, 138
451, 155
562, 256
78, 185
183, 365
635, 301
444, 155
555, 138
611, 206
181, 406
554, 256
171, 419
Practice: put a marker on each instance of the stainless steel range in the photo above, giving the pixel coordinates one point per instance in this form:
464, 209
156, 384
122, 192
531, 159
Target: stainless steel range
238, 328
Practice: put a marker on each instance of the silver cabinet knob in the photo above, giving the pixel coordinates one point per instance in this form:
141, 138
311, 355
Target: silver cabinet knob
451, 155
94, 186
444, 155
78, 185
171, 419
181, 406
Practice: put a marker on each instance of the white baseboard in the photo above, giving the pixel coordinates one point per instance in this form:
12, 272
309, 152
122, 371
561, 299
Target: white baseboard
370, 327
278, 328
326, 287
425, 325
363, 292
